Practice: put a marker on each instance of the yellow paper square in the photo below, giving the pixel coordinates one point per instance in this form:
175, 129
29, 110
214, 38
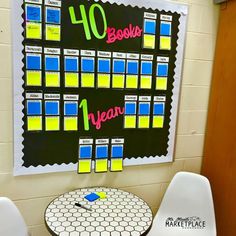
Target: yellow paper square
34, 123
131, 81
158, 122
70, 123
146, 82
116, 164
84, 166
101, 165
149, 41
165, 43
52, 79
52, 123
72, 80
161, 83
103, 81
33, 30
33, 78
130, 122
102, 195
87, 80
53, 32
143, 122
118, 81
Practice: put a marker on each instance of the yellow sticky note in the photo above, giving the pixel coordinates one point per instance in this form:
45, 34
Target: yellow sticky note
52, 79
102, 195
70, 123
87, 80
33, 78
103, 81
149, 41
33, 30
143, 122
165, 43
72, 80
52, 123
158, 122
101, 165
161, 83
34, 123
118, 81
53, 32
146, 82
131, 81
116, 164
84, 166
130, 122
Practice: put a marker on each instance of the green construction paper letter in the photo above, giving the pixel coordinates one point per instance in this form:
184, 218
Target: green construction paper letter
84, 106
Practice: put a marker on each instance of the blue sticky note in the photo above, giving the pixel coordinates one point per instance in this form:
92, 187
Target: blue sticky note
34, 107
118, 66
33, 13
92, 197
130, 108
158, 109
102, 151
132, 67
87, 65
144, 109
33, 62
104, 65
146, 68
149, 26
71, 108
52, 63
85, 151
117, 151
165, 28
53, 15
71, 64
162, 69
52, 108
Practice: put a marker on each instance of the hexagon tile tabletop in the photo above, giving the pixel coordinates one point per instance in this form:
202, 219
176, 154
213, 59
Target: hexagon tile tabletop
120, 214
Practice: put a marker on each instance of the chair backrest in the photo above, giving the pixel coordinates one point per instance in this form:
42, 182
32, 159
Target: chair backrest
186, 209
11, 221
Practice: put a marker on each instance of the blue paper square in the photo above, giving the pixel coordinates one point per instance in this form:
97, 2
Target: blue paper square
158, 109
165, 29
132, 67
85, 151
33, 62
117, 151
104, 65
119, 66
144, 109
102, 151
71, 108
162, 69
150, 27
52, 108
53, 15
71, 64
33, 13
130, 108
87, 65
92, 197
52, 63
34, 108
146, 68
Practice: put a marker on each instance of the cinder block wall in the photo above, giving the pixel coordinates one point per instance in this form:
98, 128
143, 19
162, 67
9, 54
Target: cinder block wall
33, 193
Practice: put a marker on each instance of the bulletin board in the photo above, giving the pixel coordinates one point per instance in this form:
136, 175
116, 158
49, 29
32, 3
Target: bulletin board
95, 80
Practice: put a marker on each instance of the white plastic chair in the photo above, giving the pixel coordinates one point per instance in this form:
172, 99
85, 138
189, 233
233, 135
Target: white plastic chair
187, 202
11, 220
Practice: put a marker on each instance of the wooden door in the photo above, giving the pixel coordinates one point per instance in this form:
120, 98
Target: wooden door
219, 162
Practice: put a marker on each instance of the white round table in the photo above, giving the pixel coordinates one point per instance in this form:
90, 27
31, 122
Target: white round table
120, 214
